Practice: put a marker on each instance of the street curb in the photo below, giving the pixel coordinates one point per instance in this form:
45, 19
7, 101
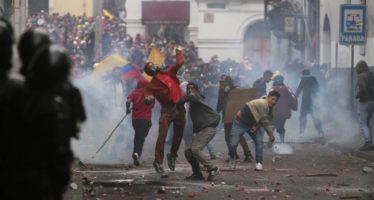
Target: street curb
353, 152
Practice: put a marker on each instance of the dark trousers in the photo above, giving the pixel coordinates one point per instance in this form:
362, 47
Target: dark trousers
141, 127
168, 115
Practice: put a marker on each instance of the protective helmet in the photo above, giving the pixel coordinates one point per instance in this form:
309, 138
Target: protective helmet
29, 43
6, 43
49, 67
278, 79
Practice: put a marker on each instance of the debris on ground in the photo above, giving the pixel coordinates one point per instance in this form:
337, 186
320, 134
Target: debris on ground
367, 169
192, 195
349, 197
74, 186
161, 190
318, 175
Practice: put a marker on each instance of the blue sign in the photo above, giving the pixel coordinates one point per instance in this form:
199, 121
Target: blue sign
352, 24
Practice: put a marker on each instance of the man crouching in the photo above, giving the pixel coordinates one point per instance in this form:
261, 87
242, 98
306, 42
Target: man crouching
204, 122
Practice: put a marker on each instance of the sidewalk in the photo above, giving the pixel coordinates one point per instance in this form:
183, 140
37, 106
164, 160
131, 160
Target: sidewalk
350, 147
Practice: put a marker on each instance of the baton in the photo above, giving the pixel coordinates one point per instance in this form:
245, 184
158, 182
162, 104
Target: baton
110, 135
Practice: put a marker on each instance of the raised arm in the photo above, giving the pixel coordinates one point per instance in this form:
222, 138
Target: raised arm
178, 63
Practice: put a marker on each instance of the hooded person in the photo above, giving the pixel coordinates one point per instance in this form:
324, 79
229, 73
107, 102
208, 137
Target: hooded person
141, 117
365, 96
286, 103
204, 122
164, 87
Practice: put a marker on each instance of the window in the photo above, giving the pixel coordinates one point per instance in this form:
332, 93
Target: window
216, 5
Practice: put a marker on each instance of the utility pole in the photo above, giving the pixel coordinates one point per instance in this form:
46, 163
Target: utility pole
98, 10
19, 15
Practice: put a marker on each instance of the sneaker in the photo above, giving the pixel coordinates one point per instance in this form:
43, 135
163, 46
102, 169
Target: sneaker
171, 161
135, 156
248, 157
158, 167
232, 163
212, 171
367, 146
228, 159
195, 177
259, 167
213, 157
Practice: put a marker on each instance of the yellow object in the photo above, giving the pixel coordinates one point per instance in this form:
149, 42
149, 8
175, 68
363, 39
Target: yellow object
109, 63
276, 73
147, 77
107, 14
156, 56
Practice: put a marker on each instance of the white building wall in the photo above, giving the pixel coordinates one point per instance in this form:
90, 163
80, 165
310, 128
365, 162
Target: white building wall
224, 37
332, 9
133, 19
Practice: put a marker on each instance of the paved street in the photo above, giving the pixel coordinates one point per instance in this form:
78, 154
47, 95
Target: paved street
314, 171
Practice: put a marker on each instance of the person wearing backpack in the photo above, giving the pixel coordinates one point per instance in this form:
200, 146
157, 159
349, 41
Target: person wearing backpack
365, 96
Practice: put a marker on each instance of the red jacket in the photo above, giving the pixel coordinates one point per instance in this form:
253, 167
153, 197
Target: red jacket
139, 109
165, 85
286, 102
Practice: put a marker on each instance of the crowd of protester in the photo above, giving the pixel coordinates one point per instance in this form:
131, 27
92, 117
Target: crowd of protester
77, 34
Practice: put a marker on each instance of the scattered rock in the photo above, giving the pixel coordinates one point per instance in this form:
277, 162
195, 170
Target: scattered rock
367, 169
73, 186
161, 190
192, 195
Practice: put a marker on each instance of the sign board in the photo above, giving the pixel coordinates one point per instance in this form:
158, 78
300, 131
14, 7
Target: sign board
236, 100
289, 24
352, 24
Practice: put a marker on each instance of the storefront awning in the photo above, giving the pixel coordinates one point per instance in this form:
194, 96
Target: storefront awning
165, 12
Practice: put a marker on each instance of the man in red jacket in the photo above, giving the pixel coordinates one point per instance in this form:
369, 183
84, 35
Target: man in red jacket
286, 103
141, 117
164, 86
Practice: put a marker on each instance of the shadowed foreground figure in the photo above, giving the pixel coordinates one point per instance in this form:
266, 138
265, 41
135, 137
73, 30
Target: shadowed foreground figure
38, 154
55, 111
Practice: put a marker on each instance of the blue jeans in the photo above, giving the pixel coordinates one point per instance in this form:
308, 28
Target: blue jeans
238, 129
365, 113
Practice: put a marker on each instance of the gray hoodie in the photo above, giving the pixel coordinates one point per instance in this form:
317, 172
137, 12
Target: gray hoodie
202, 115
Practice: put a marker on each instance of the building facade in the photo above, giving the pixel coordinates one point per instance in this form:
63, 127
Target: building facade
220, 27
332, 51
